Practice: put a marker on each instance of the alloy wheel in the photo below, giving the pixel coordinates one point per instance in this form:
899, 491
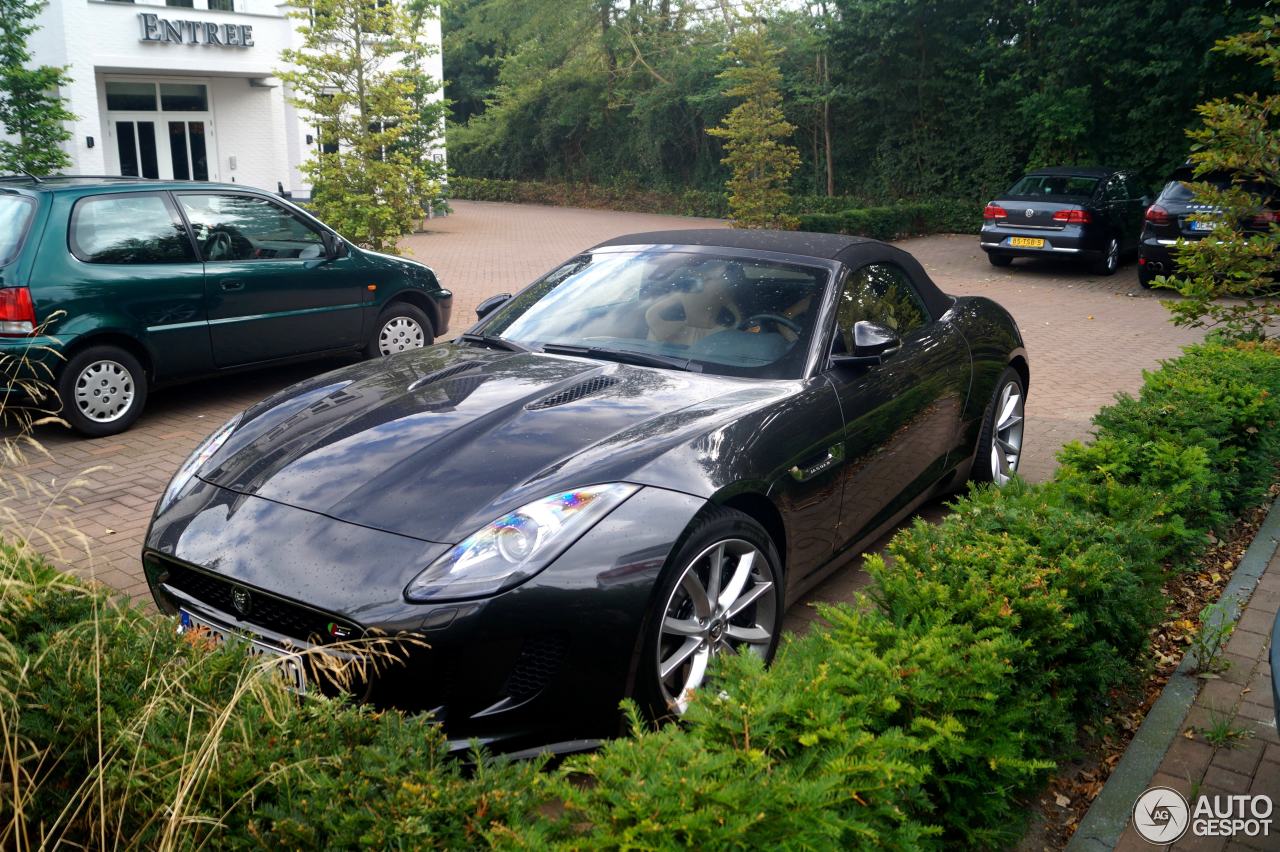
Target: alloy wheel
723, 601
104, 391
399, 334
1113, 255
1006, 435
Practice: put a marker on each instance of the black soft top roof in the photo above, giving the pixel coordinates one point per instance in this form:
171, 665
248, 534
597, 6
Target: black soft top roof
853, 252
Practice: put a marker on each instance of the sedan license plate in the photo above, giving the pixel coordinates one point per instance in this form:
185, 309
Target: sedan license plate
290, 668
1026, 242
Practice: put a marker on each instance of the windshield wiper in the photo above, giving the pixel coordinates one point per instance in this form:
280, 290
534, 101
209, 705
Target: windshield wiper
623, 356
493, 342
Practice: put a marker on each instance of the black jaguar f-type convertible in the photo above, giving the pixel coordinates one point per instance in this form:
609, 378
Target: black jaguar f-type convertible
634, 464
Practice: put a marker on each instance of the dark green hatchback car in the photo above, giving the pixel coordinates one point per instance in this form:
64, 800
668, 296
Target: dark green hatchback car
140, 283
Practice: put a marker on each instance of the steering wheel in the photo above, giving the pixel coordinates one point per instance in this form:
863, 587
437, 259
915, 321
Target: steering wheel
218, 246
776, 319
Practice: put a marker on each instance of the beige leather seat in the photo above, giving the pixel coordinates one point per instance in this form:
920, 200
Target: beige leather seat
684, 318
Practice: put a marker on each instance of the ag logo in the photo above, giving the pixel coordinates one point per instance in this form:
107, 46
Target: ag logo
1161, 815
241, 601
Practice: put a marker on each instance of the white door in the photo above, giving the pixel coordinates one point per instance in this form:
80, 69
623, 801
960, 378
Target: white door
159, 134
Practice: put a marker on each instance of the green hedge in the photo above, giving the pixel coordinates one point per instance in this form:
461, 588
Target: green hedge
833, 214
925, 717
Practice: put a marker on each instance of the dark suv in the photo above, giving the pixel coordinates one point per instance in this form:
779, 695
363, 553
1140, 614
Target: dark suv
1170, 219
1084, 212
119, 285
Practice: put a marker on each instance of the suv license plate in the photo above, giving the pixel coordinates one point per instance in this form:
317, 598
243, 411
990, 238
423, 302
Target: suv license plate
291, 669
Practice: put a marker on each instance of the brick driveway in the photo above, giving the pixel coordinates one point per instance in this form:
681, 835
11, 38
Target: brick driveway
1087, 337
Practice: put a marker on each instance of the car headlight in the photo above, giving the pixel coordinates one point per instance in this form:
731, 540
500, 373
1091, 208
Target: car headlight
196, 460
516, 546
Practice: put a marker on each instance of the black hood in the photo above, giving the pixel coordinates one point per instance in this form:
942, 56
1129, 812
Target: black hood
436, 443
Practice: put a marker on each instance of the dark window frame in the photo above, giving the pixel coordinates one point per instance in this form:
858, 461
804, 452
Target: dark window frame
170, 205
312, 224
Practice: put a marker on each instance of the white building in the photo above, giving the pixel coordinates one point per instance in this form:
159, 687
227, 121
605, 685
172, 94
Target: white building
184, 90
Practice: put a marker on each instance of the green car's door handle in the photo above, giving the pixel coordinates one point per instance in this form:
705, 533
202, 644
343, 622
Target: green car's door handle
230, 285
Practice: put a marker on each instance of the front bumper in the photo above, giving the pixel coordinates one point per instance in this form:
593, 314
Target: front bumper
549, 659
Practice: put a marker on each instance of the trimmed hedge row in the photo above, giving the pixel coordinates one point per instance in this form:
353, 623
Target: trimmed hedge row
894, 221
923, 718
833, 214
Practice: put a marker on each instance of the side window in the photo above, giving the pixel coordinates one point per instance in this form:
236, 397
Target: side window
244, 227
133, 228
1116, 190
881, 293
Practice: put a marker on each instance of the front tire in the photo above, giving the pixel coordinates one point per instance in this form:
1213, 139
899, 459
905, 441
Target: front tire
721, 593
999, 448
400, 327
103, 390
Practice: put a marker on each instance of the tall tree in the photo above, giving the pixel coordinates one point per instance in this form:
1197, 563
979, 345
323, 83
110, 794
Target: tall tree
372, 175
32, 111
755, 132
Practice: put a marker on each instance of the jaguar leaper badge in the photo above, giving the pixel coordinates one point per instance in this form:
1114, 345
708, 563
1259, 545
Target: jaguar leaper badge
241, 600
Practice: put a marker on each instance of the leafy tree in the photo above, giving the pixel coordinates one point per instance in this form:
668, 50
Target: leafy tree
1238, 142
357, 76
760, 160
31, 110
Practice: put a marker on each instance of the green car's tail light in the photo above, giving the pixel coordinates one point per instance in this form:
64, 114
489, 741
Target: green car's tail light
17, 312
516, 546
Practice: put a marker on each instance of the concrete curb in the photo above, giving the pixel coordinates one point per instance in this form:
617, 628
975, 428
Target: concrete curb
1109, 814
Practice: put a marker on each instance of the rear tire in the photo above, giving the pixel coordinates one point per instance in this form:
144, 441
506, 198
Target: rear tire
684, 630
1110, 260
1145, 276
999, 449
102, 390
400, 327
1000, 260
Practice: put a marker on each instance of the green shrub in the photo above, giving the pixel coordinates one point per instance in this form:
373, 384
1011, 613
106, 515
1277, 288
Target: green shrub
894, 221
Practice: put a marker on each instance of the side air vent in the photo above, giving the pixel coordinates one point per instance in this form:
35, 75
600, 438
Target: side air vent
441, 375
573, 393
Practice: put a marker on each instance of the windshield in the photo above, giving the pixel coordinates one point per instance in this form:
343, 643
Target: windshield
15, 217
727, 315
1077, 186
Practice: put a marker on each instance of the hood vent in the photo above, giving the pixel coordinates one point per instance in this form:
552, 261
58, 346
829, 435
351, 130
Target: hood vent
573, 393
446, 373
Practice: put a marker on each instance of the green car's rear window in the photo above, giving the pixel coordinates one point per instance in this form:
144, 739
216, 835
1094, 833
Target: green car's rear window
15, 219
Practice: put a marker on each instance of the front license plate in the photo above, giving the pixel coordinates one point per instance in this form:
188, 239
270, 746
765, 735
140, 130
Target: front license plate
294, 675
1026, 242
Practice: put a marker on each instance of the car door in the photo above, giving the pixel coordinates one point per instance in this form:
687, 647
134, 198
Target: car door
902, 417
1135, 210
1116, 208
272, 290
132, 253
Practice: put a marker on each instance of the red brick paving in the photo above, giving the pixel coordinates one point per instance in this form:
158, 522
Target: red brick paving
1088, 338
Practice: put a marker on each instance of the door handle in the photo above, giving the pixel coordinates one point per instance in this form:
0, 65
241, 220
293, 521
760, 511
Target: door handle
835, 455
231, 285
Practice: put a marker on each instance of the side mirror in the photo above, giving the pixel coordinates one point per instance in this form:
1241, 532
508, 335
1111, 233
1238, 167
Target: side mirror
871, 343
334, 247
491, 304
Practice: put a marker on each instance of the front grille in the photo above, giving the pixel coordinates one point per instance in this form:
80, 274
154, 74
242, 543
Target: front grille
576, 392
266, 611
537, 663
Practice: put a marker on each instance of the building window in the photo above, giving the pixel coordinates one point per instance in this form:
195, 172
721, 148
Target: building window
222, 5
131, 97
184, 97
185, 4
